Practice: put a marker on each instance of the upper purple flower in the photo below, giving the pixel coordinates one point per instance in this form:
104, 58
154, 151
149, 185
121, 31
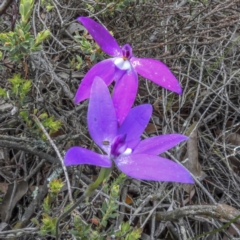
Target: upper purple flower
122, 68
136, 158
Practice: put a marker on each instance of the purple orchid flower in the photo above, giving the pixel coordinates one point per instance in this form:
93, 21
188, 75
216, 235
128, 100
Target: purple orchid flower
137, 159
122, 68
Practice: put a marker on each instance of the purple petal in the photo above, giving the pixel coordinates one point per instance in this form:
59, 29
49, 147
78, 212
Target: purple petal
102, 120
118, 74
104, 69
78, 155
135, 123
124, 94
159, 144
157, 72
150, 167
101, 35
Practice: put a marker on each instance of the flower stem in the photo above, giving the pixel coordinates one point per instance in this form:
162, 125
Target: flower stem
103, 175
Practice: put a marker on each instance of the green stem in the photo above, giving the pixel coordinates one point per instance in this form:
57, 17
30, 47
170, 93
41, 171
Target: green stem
217, 230
103, 175
65, 214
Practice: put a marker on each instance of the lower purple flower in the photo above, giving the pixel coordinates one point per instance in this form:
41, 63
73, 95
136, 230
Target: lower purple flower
135, 157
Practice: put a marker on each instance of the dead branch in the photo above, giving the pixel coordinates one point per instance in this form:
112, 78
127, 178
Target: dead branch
220, 211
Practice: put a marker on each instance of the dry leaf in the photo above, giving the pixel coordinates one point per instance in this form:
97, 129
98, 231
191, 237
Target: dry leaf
60, 132
191, 194
95, 221
234, 164
43, 16
14, 193
4, 227
3, 187
232, 231
8, 64
233, 138
4, 106
2, 154
25, 68
128, 199
156, 105
56, 58
151, 128
66, 76
192, 164
192, 149
73, 27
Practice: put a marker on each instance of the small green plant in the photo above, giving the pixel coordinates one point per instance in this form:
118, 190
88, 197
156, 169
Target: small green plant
89, 48
25, 9
126, 232
54, 188
49, 123
49, 223
20, 43
3, 93
47, 204
80, 230
111, 6
102, 226
76, 62
196, 2
19, 88
47, 4
0, 60
18, 92
110, 206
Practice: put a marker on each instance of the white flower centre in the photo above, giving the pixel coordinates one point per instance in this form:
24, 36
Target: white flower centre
127, 152
122, 64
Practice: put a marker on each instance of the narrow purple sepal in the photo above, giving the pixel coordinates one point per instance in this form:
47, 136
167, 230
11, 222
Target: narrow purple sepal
135, 122
124, 94
150, 167
159, 144
101, 35
104, 69
102, 120
157, 72
78, 155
